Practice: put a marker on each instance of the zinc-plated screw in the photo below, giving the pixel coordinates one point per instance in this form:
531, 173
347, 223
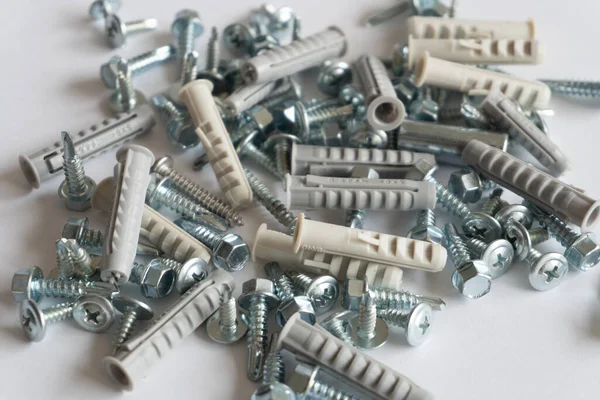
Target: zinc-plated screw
305, 383
186, 27
229, 251
80, 259
288, 93
180, 128
161, 193
189, 68
482, 224
256, 120
467, 112
211, 72
493, 203
498, 255
284, 287
424, 108
137, 64
64, 262
117, 30
275, 207
585, 89
323, 291
472, 277
125, 97
164, 167
258, 298
34, 320
274, 370
281, 143
338, 325
523, 240
248, 149
101, 8
448, 200
94, 313
425, 228
368, 331
582, 249
546, 271
297, 28
77, 188
187, 274
226, 326
132, 310
415, 323
156, 279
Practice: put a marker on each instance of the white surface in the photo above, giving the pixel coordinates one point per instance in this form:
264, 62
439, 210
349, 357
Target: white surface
514, 343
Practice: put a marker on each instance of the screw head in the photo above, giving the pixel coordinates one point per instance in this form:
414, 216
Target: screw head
32, 320
368, 138
258, 287
22, 283
334, 75
75, 227
217, 333
548, 271
344, 316
164, 164
298, 305
116, 31
515, 212
427, 233
466, 184
124, 303
100, 8
116, 105
303, 378
94, 313
377, 340
498, 255
157, 185
274, 391
231, 253
323, 292
482, 226
80, 201
183, 133
584, 253
472, 279
419, 324
192, 271
108, 72
218, 81
400, 59
158, 280
519, 237
238, 39
185, 17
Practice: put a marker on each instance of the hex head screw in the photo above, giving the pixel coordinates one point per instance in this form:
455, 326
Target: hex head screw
180, 129
156, 279
77, 188
368, 331
416, 323
425, 228
258, 297
186, 28
137, 64
132, 310
94, 313
124, 98
34, 320
247, 148
498, 255
117, 30
226, 326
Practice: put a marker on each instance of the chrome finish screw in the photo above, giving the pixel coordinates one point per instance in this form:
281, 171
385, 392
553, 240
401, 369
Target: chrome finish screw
368, 331
117, 30
576, 89
323, 291
77, 188
226, 326
498, 255
137, 64
133, 310
125, 97
416, 323
34, 320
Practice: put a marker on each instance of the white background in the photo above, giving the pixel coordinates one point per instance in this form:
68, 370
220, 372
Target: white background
515, 343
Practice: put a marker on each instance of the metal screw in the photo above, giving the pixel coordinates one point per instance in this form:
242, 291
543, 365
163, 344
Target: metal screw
472, 277
187, 274
284, 287
338, 325
64, 262
186, 27
546, 271
77, 188
323, 291
137, 64
94, 313
304, 382
189, 71
514, 212
333, 76
275, 207
164, 167
211, 72
368, 331
225, 326
80, 259
416, 323
425, 228
34, 320
465, 111
287, 92
156, 279
482, 224
180, 128
101, 8
117, 30
522, 240
272, 387
423, 108
132, 310
289, 304
585, 89
248, 149
582, 249
229, 251
161, 193
280, 143
125, 97
239, 39
29, 283
258, 298
257, 119
498, 255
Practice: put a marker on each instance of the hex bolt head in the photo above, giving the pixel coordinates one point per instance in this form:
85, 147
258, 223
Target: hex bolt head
75, 228
78, 203
466, 184
158, 280
584, 252
94, 313
472, 279
258, 287
231, 253
108, 72
184, 17
301, 305
352, 293
22, 284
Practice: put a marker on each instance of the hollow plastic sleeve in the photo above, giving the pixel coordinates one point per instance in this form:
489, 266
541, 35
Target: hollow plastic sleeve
247, 96
453, 28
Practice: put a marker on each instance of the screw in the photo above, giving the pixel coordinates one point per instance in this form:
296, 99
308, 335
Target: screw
498, 255
333, 76
248, 149
522, 240
272, 387
482, 224
137, 64
284, 287
94, 313
304, 382
356, 218
323, 291
132, 310
125, 97
156, 279
211, 72
424, 108
472, 277
164, 167
416, 323
297, 29
224, 326
338, 325
275, 207
467, 112
186, 27
77, 188
585, 89
452, 9
298, 120
189, 71
161, 192
64, 262
514, 212
180, 128
230, 252
425, 228
80, 260
34, 320
258, 298
239, 39
30, 284
368, 331
582, 249
117, 30
257, 119
101, 8
546, 271
280, 143
187, 274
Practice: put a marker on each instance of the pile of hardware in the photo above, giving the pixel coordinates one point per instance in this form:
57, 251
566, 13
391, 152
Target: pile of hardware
372, 143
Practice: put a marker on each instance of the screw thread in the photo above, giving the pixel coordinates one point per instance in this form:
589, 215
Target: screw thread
228, 314
174, 265
538, 235
450, 113
394, 317
247, 129
189, 67
574, 88
367, 316
201, 196
64, 261
125, 329
493, 203
82, 262
283, 283
59, 312
282, 153
320, 116
141, 25
261, 158
338, 329
137, 272
274, 369
125, 84
275, 207
402, 300
317, 105
476, 246
558, 229
185, 40
50, 287
323, 391
181, 204
355, 218
257, 337
533, 256
167, 107
149, 59
205, 235
212, 57
426, 218
448, 200
488, 184
459, 253
300, 281
392, 143
91, 238
72, 167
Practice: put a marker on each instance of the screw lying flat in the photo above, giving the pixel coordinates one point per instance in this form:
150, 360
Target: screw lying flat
132, 310
416, 323
34, 320
117, 30
77, 188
